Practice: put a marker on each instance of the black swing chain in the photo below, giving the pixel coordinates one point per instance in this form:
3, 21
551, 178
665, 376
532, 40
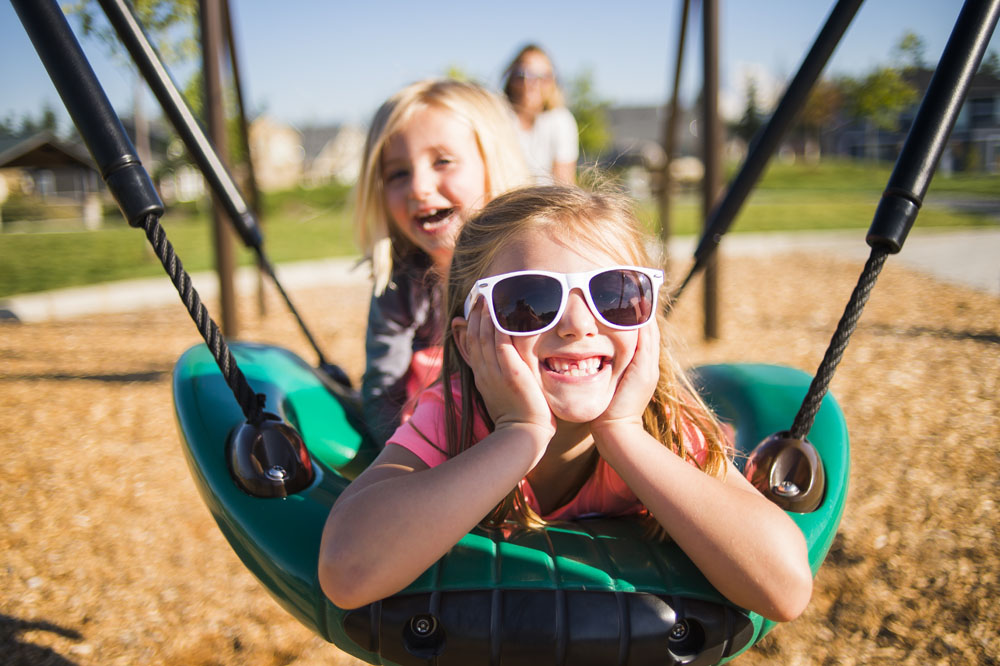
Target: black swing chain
251, 403
838, 343
269, 269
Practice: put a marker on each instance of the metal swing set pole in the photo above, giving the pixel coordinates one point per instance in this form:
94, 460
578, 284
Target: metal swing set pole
768, 138
244, 220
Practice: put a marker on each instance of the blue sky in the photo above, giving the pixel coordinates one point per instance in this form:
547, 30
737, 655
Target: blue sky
315, 61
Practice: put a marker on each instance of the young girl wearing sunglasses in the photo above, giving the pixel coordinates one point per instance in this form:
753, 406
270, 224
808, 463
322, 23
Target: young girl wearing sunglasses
559, 400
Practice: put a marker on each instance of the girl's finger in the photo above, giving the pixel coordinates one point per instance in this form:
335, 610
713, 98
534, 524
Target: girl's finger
472, 334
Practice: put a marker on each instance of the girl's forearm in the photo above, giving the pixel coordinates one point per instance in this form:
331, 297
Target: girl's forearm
746, 546
377, 541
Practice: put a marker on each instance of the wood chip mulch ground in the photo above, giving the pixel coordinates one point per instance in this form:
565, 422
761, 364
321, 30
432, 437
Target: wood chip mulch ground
108, 555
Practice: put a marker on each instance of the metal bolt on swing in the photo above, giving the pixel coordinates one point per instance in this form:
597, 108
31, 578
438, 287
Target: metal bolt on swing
679, 631
788, 471
786, 488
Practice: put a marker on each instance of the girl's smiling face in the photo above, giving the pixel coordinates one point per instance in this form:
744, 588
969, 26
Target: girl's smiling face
433, 177
579, 362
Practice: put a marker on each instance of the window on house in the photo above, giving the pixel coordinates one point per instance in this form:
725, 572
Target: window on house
45, 183
981, 112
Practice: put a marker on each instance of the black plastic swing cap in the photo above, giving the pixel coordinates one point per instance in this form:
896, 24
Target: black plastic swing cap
270, 459
788, 471
894, 217
134, 192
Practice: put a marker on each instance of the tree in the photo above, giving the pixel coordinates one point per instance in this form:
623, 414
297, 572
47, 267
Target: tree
820, 110
991, 64
8, 127
28, 124
877, 100
457, 73
909, 52
170, 26
752, 118
591, 115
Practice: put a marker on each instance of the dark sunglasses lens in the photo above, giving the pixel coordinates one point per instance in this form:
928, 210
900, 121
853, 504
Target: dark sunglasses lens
526, 303
623, 297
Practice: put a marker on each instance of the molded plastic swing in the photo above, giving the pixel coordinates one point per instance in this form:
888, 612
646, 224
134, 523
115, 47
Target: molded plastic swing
586, 592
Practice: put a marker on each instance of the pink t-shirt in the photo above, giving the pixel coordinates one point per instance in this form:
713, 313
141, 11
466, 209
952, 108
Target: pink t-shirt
425, 367
603, 494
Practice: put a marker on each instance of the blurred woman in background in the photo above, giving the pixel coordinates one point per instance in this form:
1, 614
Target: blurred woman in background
545, 127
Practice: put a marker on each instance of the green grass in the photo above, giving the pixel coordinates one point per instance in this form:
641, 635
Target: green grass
312, 224
830, 195
38, 261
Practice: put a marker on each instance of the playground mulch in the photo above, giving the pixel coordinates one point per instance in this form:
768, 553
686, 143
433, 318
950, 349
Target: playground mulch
109, 556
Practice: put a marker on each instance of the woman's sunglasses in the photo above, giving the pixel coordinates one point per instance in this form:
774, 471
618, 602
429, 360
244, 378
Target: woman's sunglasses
532, 302
529, 76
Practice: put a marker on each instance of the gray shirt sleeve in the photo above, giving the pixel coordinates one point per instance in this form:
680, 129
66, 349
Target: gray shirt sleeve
401, 321
388, 349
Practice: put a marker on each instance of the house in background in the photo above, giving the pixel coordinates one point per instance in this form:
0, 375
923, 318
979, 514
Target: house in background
276, 150
974, 144
284, 157
331, 154
637, 148
637, 131
55, 173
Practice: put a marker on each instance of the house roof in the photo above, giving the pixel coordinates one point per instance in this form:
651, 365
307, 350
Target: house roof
41, 150
631, 124
315, 139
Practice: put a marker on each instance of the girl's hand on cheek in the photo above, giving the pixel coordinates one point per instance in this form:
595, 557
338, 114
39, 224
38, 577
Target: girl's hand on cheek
509, 388
636, 386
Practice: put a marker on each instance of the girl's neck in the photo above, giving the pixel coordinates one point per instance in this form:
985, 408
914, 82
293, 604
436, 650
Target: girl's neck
567, 464
441, 267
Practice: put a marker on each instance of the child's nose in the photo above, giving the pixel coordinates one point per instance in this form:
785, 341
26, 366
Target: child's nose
577, 319
422, 183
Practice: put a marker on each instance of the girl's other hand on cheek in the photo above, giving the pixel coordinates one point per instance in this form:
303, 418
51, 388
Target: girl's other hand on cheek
636, 386
509, 388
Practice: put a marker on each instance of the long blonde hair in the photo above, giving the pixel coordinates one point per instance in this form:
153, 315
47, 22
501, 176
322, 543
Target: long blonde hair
605, 222
490, 119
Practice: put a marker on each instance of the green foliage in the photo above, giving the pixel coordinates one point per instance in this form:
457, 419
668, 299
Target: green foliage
31, 207
170, 24
909, 51
991, 64
457, 73
28, 124
591, 115
878, 98
752, 118
822, 106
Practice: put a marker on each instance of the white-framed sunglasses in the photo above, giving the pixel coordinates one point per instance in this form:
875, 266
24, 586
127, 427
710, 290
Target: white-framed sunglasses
532, 302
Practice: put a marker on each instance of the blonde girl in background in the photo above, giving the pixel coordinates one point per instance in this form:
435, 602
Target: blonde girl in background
559, 399
546, 128
436, 152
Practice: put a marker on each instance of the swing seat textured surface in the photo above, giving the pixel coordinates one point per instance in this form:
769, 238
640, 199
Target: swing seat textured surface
586, 592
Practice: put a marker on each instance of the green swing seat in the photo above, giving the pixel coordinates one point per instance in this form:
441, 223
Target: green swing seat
587, 592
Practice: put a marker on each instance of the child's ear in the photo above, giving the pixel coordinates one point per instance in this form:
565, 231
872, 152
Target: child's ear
459, 332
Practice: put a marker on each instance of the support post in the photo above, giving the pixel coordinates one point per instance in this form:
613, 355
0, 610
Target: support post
250, 181
670, 139
211, 42
712, 148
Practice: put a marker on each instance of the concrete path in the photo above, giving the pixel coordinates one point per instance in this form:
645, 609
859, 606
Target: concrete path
968, 257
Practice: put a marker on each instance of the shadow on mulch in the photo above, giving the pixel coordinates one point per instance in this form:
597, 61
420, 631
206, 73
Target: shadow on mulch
17, 651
